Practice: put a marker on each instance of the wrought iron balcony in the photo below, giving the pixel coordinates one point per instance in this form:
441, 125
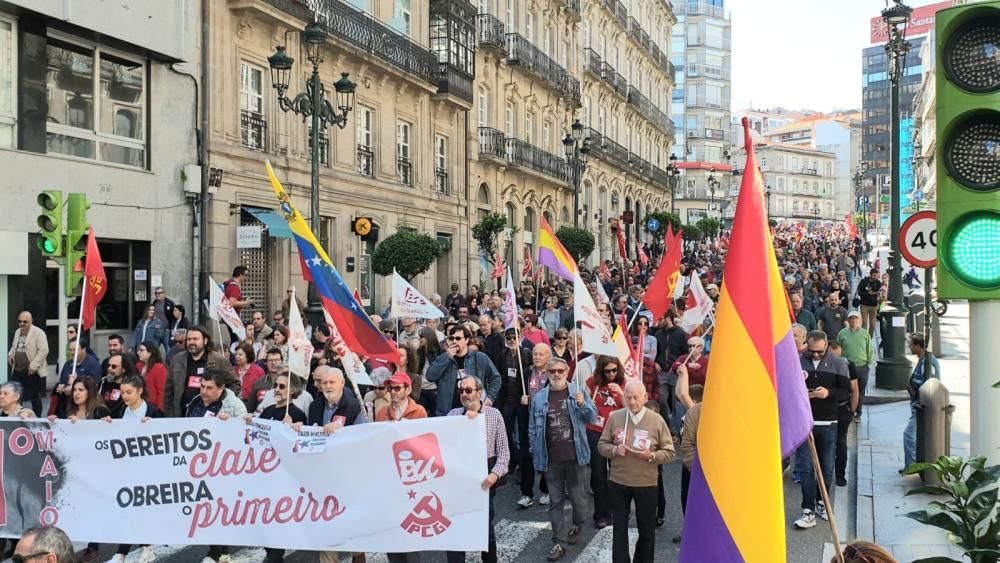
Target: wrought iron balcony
520, 153
522, 52
366, 161
453, 81
366, 33
609, 151
492, 32
253, 130
404, 170
621, 13
574, 7
616, 80
491, 142
594, 62
810, 171
441, 181
635, 30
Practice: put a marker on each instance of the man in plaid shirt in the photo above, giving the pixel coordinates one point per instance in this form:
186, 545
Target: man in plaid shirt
470, 391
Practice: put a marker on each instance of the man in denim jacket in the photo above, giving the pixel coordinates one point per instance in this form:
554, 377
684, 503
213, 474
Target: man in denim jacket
558, 437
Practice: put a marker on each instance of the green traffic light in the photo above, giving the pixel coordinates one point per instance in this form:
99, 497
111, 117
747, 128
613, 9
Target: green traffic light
975, 250
48, 246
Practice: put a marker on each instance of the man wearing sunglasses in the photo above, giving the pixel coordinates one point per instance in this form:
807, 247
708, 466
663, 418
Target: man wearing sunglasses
458, 363
44, 544
28, 360
829, 384
400, 406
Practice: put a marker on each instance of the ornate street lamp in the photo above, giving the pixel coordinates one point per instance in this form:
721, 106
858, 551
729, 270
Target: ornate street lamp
312, 104
893, 370
577, 149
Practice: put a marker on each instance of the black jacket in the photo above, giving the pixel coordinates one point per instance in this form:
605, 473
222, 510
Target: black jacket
671, 343
832, 374
511, 387
348, 407
151, 411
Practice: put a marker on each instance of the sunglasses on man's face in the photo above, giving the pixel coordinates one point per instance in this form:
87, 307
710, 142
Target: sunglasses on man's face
17, 558
817, 352
467, 390
395, 388
281, 386
455, 338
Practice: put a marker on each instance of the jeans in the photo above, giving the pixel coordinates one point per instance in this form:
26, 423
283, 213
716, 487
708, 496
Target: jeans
910, 439
565, 481
676, 421
599, 479
487, 556
515, 418
622, 498
844, 420
862, 372
825, 436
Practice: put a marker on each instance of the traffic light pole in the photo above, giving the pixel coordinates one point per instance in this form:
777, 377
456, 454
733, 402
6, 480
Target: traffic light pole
984, 356
893, 370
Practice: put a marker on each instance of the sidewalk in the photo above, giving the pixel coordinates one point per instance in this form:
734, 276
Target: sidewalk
881, 504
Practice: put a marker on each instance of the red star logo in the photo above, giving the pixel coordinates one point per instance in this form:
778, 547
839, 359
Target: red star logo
412, 494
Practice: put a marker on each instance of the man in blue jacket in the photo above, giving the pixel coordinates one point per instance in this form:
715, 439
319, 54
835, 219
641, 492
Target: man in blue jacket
558, 437
458, 363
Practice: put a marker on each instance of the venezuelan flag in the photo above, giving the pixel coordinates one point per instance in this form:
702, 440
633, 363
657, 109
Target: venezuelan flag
553, 254
357, 330
735, 509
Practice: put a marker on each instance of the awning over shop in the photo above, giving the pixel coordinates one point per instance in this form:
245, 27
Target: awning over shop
275, 223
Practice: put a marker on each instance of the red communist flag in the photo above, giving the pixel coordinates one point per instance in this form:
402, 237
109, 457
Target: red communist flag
660, 293
95, 282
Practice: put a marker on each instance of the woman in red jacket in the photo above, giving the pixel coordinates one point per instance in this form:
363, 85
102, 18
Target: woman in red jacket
248, 372
154, 371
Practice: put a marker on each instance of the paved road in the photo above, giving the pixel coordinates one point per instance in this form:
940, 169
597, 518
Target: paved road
523, 534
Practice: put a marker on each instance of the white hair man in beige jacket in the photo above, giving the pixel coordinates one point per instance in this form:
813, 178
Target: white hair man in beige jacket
28, 360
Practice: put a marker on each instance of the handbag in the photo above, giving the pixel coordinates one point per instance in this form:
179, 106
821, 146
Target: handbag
856, 302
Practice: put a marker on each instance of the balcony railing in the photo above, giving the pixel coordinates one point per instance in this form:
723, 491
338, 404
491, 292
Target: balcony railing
365, 32
716, 134
404, 170
810, 171
454, 82
492, 32
650, 112
635, 30
491, 142
705, 9
616, 80
594, 62
608, 150
621, 13
253, 130
366, 161
710, 71
522, 52
521, 153
441, 181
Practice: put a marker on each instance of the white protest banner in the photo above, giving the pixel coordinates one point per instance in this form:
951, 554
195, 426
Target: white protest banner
509, 304
353, 368
699, 305
387, 487
408, 302
219, 308
300, 349
596, 338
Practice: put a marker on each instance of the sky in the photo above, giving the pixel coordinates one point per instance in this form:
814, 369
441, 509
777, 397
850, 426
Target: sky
800, 54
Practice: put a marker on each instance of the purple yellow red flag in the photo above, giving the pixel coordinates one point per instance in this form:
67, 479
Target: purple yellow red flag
753, 405
553, 254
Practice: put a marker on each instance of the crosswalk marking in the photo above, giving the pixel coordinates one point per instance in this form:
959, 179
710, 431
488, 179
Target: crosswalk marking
598, 549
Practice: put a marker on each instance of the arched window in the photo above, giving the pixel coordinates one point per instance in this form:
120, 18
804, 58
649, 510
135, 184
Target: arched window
511, 215
529, 225
484, 194
548, 217
565, 215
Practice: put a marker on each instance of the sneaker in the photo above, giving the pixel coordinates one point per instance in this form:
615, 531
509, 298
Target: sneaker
573, 536
807, 520
148, 555
225, 558
544, 501
556, 553
857, 418
797, 476
602, 523
525, 502
841, 482
821, 511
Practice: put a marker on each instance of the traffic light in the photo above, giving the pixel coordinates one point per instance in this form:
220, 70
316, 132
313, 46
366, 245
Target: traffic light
77, 228
50, 222
968, 151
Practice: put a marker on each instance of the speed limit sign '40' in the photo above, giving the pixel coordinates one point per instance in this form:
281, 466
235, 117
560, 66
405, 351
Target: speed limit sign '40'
918, 239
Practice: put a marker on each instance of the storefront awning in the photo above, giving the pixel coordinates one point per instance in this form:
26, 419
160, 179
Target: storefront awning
275, 223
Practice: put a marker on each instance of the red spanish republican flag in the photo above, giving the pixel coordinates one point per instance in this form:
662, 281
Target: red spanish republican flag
95, 283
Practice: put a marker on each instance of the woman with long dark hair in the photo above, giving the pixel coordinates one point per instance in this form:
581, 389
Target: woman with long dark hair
428, 350
152, 368
180, 319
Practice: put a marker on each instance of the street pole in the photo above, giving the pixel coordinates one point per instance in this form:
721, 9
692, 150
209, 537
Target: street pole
893, 370
928, 309
314, 307
984, 400
576, 189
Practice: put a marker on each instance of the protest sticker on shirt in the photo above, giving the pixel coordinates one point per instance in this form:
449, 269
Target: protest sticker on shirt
511, 373
462, 374
641, 440
194, 382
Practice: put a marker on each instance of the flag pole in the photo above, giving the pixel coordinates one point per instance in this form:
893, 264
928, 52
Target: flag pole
826, 499
517, 337
79, 322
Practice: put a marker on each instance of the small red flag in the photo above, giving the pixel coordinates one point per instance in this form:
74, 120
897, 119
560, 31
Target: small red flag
95, 282
660, 294
499, 268
528, 264
621, 241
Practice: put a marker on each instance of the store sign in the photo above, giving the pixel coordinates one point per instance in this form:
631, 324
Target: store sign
249, 237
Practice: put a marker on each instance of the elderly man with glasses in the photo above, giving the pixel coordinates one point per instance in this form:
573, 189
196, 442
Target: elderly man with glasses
28, 360
557, 433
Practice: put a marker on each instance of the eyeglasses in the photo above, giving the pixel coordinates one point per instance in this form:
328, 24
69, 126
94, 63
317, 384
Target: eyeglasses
281, 386
562, 338
511, 338
380, 388
817, 352
22, 322
456, 338
157, 293
558, 370
467, 390
395, 388
610, 370
17, 558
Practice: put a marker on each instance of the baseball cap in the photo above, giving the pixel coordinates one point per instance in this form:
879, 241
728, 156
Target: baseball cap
399, 378
854, 314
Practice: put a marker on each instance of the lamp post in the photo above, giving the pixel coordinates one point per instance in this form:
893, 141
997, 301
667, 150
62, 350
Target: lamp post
713, 185
893, 370
673, 173
577, 148
312, 104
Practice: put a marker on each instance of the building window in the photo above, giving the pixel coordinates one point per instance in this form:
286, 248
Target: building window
529, 26
529, 127
402, 17
110, 129
441, 164
546, 132
366, 154
404, 165
781, 184
252, 123
509, 119
795, 186
511, 17
829, 169
828, 189
547, 41
484, 107
324, 146
8, 62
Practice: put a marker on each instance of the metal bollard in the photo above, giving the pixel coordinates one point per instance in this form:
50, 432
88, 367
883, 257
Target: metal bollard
933, 425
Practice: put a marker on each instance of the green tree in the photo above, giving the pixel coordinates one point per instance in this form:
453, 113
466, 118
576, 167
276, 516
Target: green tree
578, 242
487, 232
408, 252
664, 218
709, 226
692, 233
